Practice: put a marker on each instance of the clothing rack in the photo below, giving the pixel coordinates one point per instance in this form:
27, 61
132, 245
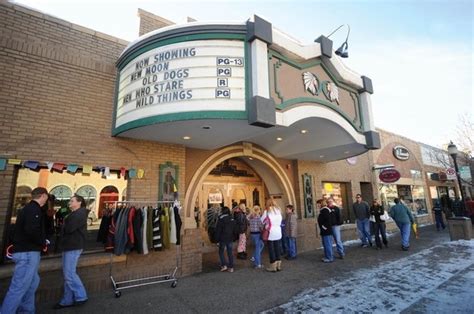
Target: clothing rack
145, 281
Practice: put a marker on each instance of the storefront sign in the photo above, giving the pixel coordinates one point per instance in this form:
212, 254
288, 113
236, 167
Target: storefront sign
215, 198
401, 152
203, 75
465, 172
389, 175
450, 174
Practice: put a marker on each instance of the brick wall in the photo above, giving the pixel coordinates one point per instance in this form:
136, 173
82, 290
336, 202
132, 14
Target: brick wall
150, 22
57, 100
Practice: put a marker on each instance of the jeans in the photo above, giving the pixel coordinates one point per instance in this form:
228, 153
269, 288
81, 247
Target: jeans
405, 234
284, 244
336, 233
228, 247
73, 288
439, 221
379, 230
327, 245
274, 250
21, 294
258, 243
363, 227
291, 242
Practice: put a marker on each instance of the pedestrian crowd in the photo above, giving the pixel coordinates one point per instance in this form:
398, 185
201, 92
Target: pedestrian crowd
277, 230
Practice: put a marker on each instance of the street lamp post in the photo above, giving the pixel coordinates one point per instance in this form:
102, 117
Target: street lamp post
453, 151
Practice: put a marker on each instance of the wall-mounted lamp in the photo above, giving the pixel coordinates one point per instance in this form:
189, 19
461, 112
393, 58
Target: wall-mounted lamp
343, 50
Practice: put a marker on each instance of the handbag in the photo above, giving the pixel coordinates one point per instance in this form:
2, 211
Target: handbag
385, 216
372, 218
265, 233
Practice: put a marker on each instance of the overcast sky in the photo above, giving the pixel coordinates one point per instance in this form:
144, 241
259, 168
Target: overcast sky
419, 54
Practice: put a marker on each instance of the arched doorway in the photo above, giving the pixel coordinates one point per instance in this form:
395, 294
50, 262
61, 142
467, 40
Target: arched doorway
269, 180
107, 194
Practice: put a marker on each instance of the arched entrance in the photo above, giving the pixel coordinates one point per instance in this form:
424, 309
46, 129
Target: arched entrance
107, 194
269, 180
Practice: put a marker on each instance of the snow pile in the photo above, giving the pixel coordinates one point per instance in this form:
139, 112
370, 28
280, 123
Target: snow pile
397, 285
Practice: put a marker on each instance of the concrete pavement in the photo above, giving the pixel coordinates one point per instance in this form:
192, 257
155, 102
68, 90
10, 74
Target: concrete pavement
248, 290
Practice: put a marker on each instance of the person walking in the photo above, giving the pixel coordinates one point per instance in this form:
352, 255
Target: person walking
240, 218
72, 242
28, 242
255, 234
377, 211
273, 213
404, 219
362, 213
291, 231
325, 229
438, 211
336, 228
225, 230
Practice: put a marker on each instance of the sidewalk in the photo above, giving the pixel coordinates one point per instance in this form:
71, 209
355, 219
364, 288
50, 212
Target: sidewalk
249, 291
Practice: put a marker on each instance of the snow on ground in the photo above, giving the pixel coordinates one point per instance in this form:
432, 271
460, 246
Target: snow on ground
425, 281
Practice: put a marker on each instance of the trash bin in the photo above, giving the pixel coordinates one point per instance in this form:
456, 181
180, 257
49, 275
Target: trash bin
460, 228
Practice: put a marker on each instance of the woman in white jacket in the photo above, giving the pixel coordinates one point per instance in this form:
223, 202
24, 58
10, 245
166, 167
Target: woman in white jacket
273, 213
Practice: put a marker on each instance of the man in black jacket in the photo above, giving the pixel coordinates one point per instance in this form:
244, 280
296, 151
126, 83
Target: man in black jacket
28, 242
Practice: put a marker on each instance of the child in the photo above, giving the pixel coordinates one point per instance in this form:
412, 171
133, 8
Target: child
255, 233
291, 231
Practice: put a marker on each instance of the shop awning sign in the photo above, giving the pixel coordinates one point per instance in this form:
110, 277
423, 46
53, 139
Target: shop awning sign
451, 174
389, 175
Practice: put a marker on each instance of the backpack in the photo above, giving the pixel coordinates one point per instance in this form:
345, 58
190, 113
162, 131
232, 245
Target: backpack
242, 222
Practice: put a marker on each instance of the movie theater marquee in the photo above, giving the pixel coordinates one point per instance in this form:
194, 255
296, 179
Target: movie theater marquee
189, 76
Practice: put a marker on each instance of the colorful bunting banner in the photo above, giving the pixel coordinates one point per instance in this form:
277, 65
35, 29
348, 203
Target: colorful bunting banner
58, 166
3, 164
132, 173
14, 161
140, 173
86, 169
72, 168
31, 164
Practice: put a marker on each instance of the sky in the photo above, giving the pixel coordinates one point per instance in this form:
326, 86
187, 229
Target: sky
419, 54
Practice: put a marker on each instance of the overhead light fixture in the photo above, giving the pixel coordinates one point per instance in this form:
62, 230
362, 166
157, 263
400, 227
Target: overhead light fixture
343, 51
250, 158
321, 156
279, 139
186, 137
304, 131
346, 152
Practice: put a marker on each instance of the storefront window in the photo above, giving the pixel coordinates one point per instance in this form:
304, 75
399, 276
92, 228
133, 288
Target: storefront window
63, 186
388, 192
419, 201
338, 191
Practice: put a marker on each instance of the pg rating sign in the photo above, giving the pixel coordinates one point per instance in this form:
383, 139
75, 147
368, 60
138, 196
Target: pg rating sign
224, 71
202, 75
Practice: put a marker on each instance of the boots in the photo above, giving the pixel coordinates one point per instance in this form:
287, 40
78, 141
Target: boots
278, 265
272, 268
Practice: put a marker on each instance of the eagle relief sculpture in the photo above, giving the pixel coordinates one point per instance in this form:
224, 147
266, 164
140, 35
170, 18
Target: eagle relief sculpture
312, 85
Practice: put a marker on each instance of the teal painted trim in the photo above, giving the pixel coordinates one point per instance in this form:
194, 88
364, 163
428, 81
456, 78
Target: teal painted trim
299, 66
114, 113
161, 178
299, 100
179, 39
275, 75
195, 115
302, 66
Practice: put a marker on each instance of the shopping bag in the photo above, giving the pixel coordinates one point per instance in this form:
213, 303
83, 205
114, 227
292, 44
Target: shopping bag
415, 229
